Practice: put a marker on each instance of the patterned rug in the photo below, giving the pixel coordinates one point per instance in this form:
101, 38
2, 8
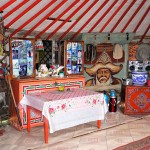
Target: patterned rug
143, 144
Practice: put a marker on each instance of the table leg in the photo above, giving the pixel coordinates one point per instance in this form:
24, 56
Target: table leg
28, 118
98, 123
46, 131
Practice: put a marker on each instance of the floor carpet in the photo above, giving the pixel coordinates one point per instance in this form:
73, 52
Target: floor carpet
143, 144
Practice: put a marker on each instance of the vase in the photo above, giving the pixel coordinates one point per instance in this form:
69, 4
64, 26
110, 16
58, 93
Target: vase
139, 78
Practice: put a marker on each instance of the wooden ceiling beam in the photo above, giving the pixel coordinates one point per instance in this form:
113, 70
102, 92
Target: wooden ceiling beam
80, 17
101, 18
122, 16
134, 14
143, 17
68, 18
22, 13
33, 17
15, 8
7, 5
58, 18
145, 33
45, 17
83, 26
113, 15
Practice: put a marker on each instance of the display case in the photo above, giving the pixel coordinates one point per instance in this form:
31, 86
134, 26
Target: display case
74, 57
22, 57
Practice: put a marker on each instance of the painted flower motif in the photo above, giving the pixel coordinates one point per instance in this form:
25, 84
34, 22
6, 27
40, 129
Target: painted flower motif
51, 110
94, 101
63, 106
57, 107
52, 67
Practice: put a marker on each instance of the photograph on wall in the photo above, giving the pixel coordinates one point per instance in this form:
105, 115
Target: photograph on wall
22, 57
74, 57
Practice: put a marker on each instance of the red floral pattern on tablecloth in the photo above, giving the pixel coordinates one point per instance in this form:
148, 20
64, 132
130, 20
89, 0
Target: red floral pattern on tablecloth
67, 100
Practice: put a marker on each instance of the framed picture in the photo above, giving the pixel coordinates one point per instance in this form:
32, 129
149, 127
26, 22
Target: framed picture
22, 57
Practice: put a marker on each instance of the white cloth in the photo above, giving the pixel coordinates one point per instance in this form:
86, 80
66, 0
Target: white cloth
69, 108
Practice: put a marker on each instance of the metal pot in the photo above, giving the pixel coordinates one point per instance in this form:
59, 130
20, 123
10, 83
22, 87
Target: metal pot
127, 81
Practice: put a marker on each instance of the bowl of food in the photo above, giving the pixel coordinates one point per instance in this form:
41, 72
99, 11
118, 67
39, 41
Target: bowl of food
61, 88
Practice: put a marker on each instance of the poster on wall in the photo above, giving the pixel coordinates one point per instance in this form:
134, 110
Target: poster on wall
22, 57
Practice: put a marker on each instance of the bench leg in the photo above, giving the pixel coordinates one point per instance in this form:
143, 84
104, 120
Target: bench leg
28, 118
98, 123
46, 131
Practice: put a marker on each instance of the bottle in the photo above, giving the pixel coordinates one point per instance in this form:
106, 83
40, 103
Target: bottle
113, 101
106, 97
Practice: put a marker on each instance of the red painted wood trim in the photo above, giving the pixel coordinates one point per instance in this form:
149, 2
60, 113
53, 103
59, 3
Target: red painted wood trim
59, 17
68, 18
23, 13
113, 15
97, 11
134, 14
101, 18
122, 16
15, 8
143, 17
145, 33
28, 118
45, 17
89, 19
46, 130
67, 31
7, 5
33, 17
98, 123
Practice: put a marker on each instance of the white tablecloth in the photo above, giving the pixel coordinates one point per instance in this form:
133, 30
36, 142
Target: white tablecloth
68, 108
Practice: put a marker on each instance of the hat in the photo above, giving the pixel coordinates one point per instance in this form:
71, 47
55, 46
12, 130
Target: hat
104, 61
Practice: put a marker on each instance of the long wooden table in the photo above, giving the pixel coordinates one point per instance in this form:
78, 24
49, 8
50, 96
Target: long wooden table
66, 109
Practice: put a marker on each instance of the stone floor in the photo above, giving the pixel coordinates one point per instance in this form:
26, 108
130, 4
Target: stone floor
117, 129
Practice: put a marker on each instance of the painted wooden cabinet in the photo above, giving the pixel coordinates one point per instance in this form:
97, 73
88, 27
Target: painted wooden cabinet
25, 86
136, 99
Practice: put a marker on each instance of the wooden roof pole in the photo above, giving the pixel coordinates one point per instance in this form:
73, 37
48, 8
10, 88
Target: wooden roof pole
105, 2
68, 18
15, 8
7, 5
45, 17
143, 17
135, 13
113, 15
123, 15
145, 33
22, 13
78, 20
100, 19
59, 17
33, 17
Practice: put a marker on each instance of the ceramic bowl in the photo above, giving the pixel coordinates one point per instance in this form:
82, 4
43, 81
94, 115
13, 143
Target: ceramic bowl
139, 78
